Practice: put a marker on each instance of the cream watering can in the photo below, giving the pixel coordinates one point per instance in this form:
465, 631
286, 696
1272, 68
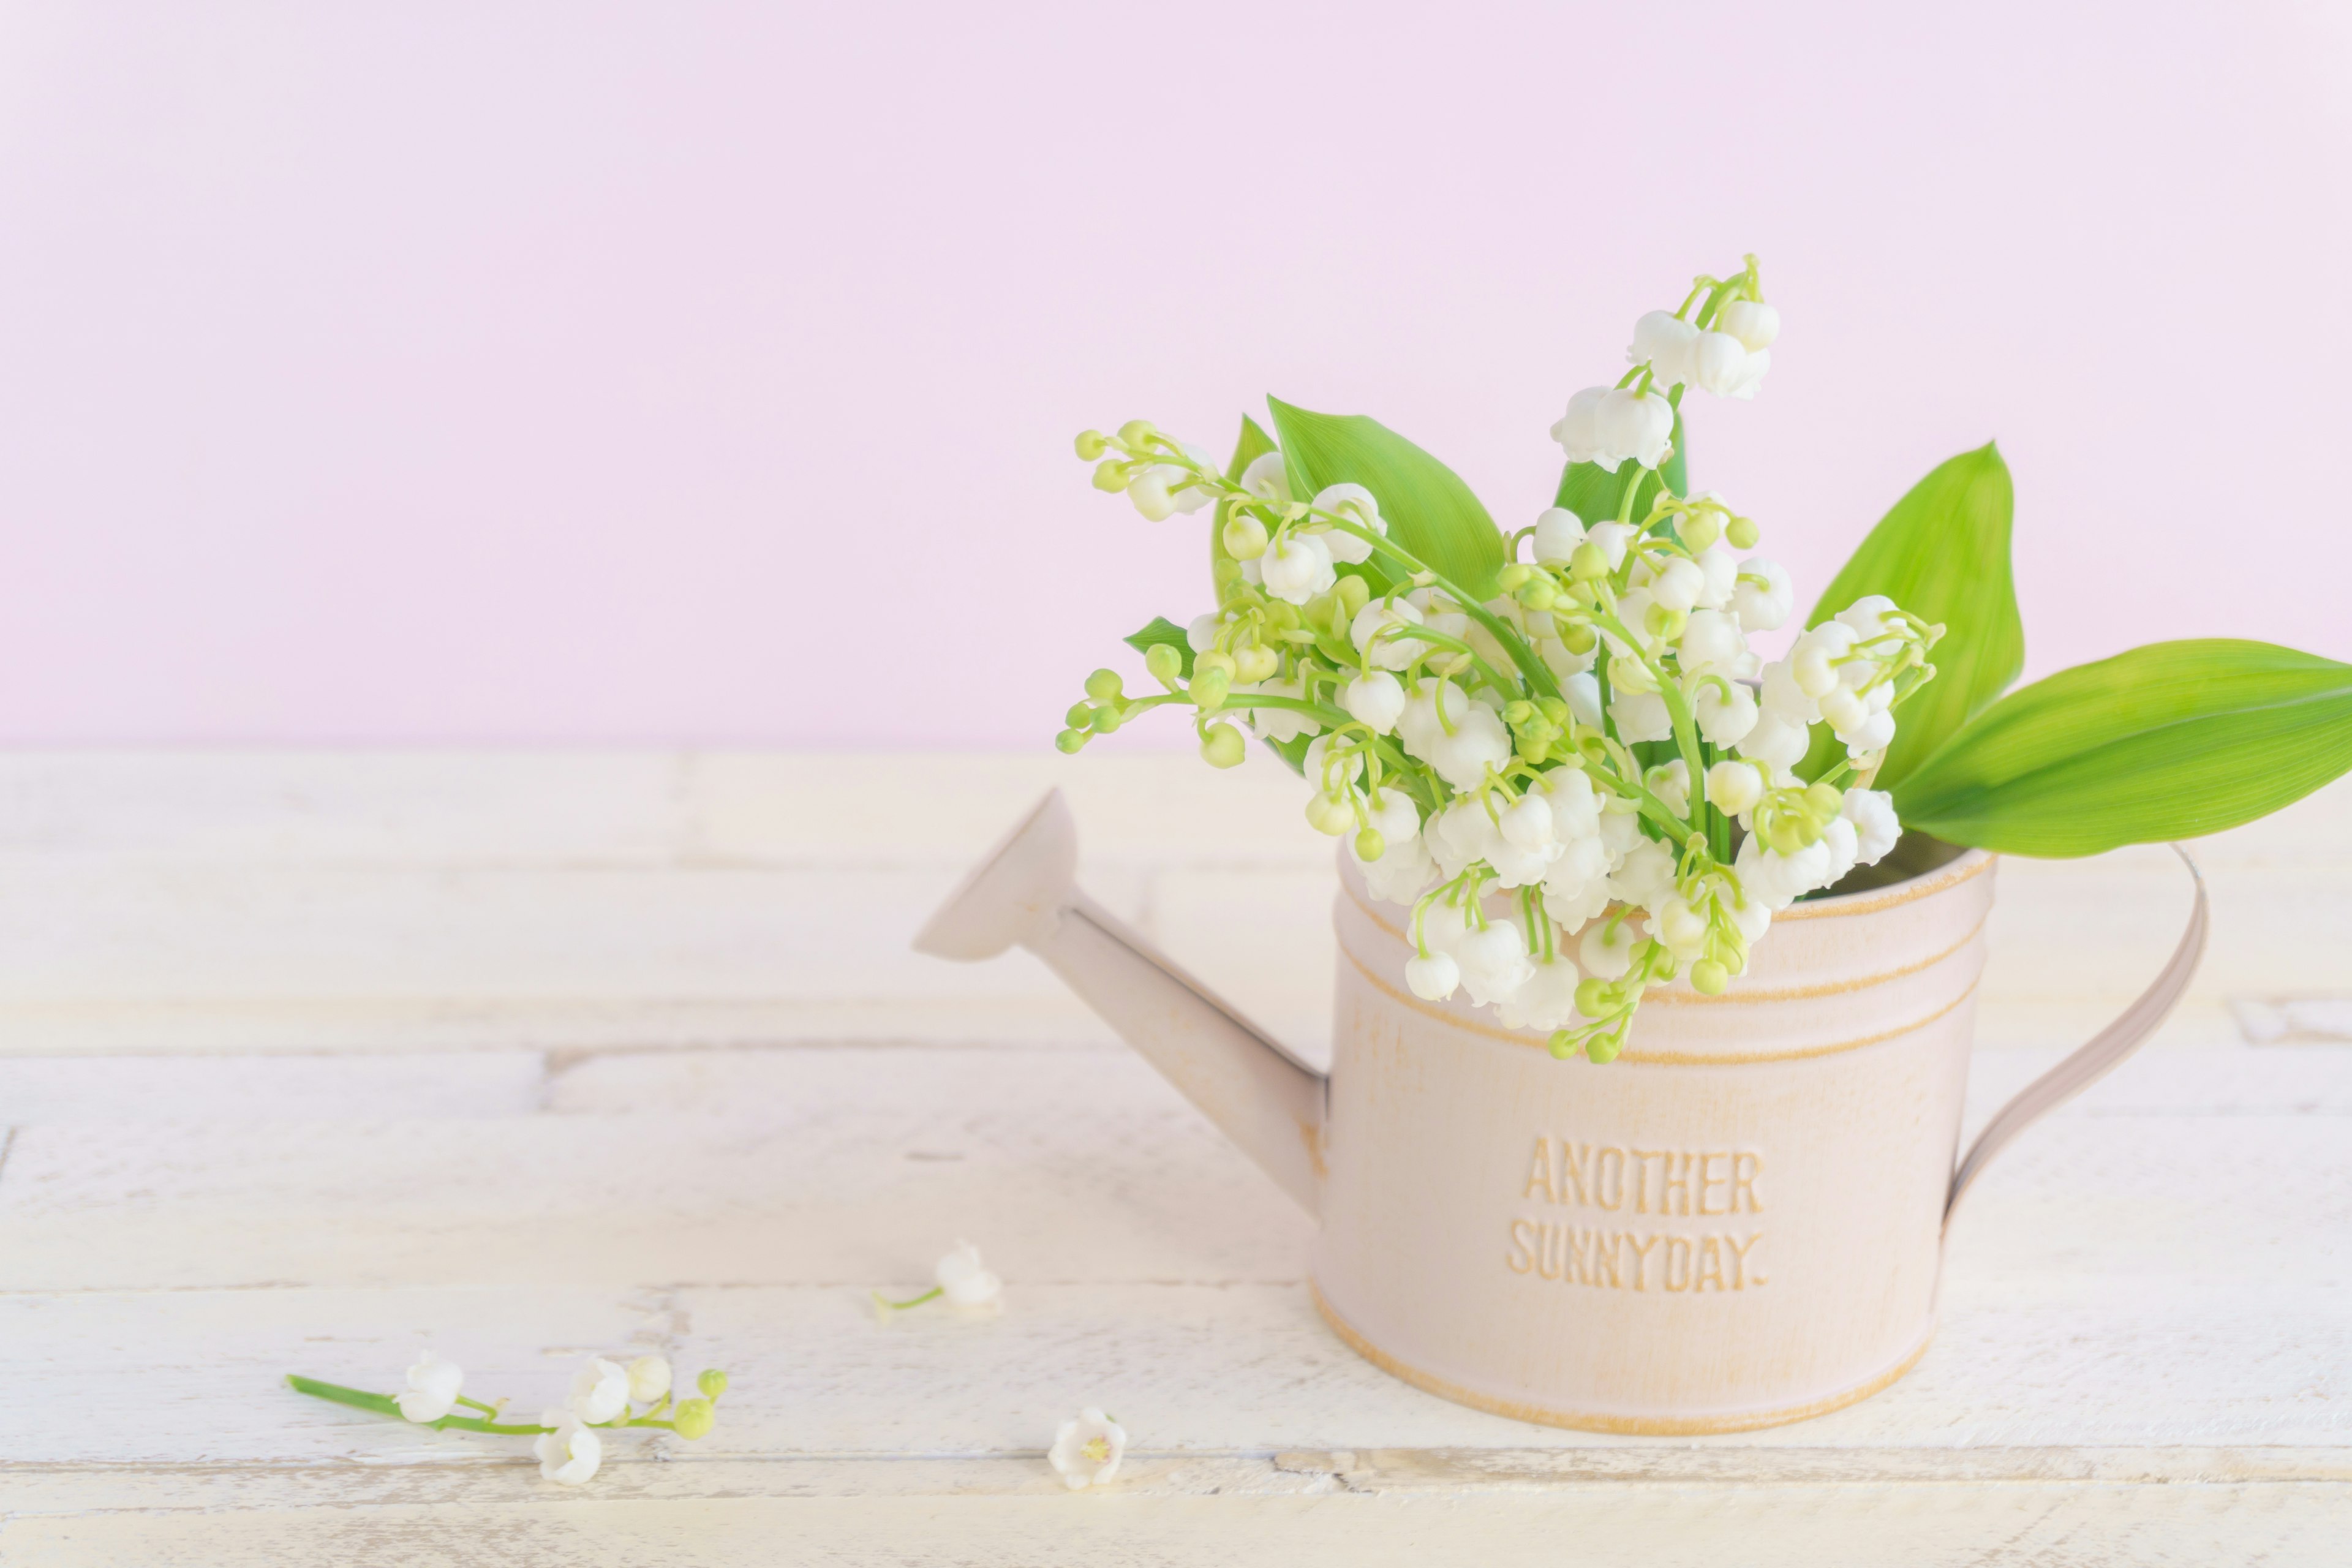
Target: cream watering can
1738, 1223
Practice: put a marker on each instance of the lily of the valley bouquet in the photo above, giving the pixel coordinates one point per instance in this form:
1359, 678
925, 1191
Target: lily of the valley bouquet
1557, 748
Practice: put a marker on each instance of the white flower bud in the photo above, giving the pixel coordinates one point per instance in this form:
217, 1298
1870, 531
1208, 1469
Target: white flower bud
1838, 836
1201, 634
1752, 321
1866, 616
1666, 344
1557, 533
1546, 1001
1433, 978
1575, 807
1375, 698
1734, 787
1874, 733
1576, 884
1720, 570
1149, 491
1609, 538
1479, 742
1844, 710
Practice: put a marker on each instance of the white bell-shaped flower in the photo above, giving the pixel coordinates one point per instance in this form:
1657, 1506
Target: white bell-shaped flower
1493, 961
1866, 616
1577, 431
1379, 615
1871, 812
649, 1377
601, 1390
1642, 716
1480, 741
1874, 733
1718, 363
965, 1281
1763, 606
1298, 567
1606, 950
1280, 724
1734, 787
1725, 721
1751, 376
1635, 425
433, 1387
1683, 928
1201, 634
1677, 585
1575, 806
1545, 1001
1460, 833
1775, 742
569, 1455
1646, 877
1444, 924
1404, 867
1268, 479
1711, 643
1668, 344
1611, 538
1527, 822
1433, 976
1576, 884
1357, 505
1420, 726
1839, 839
1327, 773
1582, 693
1720, 569
1670, 782
1375, 698
1754, 323
1814, 661
1557, 533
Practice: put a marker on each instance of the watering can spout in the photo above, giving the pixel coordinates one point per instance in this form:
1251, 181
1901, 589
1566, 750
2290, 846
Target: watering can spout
1026, 894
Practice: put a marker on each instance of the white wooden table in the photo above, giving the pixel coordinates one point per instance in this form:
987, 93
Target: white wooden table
309, 1061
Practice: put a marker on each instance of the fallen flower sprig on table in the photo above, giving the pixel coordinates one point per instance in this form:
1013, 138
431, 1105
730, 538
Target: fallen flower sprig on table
603, 1396
963, 1281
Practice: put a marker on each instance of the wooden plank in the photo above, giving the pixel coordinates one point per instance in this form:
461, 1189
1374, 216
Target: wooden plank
460, 1085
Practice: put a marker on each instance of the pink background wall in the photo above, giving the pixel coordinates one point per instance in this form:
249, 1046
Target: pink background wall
556, 373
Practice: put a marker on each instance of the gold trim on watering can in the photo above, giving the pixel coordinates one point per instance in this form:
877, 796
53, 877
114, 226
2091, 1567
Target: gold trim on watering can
1629, 1426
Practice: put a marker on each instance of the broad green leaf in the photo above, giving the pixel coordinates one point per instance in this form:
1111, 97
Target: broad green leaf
1164, 630
1595, 494
2170, 741
1429, 511
1224, 572
1941, 553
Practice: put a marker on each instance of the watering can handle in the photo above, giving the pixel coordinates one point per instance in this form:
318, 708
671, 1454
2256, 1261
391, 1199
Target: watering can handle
2097, 1057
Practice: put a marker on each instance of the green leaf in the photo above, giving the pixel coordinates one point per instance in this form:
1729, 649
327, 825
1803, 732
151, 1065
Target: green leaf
2170, 741
1164, 630
1595, 494
1224, 572
1941, 553
1429, 511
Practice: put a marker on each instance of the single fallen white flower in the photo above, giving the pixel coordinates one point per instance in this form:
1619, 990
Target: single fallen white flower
1087, 1451
432, 1391
600, 1391
570, 1454
648, 1379
964, 1281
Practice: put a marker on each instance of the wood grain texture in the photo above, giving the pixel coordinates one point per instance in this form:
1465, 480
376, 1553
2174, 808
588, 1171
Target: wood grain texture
307, 1062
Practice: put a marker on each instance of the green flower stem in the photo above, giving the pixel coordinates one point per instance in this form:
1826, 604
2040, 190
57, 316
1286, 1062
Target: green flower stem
933, 1294
1650, 805
1423, 634
384, 1405
1678, 711
1537, 674
477, 1404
